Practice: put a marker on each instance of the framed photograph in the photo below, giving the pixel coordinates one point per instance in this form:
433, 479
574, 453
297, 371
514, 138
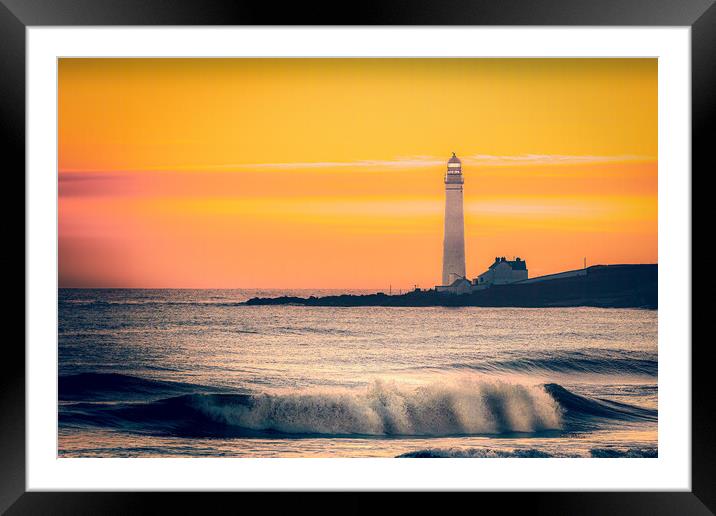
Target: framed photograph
427, 248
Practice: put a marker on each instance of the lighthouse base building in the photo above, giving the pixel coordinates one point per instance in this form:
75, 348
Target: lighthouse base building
501, 272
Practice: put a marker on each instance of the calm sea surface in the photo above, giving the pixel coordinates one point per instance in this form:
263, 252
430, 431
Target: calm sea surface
196, 373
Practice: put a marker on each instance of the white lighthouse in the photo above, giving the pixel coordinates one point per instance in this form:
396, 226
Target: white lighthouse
454, 242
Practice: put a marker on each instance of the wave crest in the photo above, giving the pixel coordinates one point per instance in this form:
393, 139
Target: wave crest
606, 362
474, 453
387, 409
464, 406
492, 453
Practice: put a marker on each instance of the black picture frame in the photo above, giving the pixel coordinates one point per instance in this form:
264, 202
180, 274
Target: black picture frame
17, 15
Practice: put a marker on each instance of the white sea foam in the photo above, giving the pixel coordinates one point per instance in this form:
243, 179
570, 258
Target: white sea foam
498, 453
385, 408
474, 453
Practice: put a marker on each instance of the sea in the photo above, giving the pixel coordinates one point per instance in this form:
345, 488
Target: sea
197, 373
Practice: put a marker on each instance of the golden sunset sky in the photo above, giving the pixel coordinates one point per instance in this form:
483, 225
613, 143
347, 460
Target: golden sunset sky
328, 173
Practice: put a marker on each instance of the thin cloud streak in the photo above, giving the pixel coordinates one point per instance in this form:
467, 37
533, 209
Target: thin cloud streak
410, 162
550, 159
431, 161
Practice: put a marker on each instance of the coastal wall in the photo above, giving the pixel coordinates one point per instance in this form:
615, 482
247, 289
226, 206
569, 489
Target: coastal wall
550, 277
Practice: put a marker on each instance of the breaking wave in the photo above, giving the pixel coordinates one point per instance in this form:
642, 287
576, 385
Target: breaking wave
383, 409
473, 453
630, 453
491, 453
386, 409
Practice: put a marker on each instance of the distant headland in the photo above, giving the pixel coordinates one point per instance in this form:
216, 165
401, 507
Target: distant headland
606, 286
506, 283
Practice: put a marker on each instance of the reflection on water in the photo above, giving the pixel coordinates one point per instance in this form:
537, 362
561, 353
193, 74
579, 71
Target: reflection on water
195, 373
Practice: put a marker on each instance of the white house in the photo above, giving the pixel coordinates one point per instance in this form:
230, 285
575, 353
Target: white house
459, 286
502, 272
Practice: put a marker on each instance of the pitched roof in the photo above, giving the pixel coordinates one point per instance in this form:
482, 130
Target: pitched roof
458, 281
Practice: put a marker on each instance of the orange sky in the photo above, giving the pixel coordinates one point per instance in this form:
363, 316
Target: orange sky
327, 173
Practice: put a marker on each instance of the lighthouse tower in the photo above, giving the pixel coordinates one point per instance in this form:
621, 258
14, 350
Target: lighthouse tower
454, 242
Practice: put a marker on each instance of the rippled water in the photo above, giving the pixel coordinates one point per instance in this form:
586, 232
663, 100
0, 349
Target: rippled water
196, 373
